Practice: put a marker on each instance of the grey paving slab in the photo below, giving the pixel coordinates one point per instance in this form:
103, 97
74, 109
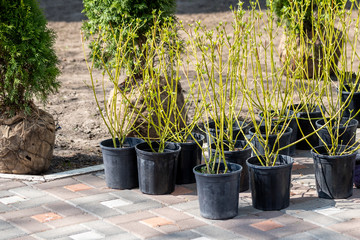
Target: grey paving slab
183, 235
141, 206
217, 233
61, 232
35, 202
4, 225
131, 196
11, 233
317, 218
123, 236
300, 236
92, 199
322, 233
99, 210
28, 192
104, 228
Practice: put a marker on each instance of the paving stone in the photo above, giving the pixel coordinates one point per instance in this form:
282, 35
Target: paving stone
6, 193
317, 218
6, 208
35, 202
156, 222
132, 217
141, 206
187, 205
346, 226
4, 225
140, 230
71, 220
29, 225
107, 229
10, 185
299, 236
182, 235
24, 238
168, 199
11, 233
12, 199
322, 233
91, 180
115, 203
93, 199
61, 232
292, 228
267, 225
56, 184
328, 211
63, 208
87, 235
46, 217
63, 193
131, 196
123, 236
252, 233
78, 187
28, 192
171, 214
23, 213
217, 233
355, 233
99, 210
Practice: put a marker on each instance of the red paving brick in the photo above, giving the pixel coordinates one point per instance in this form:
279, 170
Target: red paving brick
156, 222
78, 187
266, 225
46, 217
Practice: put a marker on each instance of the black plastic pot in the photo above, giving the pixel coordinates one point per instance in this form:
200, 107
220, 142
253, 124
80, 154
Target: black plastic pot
346, 133
333, 174
282, 142
189, 157
357, 171
292, 125
218, 193
157, 171
306, 124
120, 163
270, 186
213, 131
238, 156
352, 103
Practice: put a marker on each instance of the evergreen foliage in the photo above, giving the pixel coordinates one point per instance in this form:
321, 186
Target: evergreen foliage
107, 17
28, 64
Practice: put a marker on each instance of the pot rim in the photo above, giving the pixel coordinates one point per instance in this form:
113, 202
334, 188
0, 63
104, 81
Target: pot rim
102, 146
314, 153
144, 152
269, 167
217, 175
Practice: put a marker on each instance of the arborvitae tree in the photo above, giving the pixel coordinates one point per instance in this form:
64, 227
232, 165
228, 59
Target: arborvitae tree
28, 64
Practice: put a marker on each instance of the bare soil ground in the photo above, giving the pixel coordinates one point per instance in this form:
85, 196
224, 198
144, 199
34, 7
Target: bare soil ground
80, 128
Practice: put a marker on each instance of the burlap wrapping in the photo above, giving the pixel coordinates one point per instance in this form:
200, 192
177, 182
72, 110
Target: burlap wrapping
309, 57
140, 122
26, 142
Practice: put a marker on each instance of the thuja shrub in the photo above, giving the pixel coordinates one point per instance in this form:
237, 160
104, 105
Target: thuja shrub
107, 17
28, 63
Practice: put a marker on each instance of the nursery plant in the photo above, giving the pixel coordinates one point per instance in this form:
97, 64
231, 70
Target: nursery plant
338, 141
28, 71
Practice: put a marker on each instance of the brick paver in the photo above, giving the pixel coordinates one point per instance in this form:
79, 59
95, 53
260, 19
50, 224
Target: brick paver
82, 207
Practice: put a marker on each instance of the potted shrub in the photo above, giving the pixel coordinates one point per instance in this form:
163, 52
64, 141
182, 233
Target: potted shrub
267, 91
157, 158
301, 48
137, 16
28, 70
334, 161
119, 156
218, 180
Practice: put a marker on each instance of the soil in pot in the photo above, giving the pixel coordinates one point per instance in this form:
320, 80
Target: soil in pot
292, 125
270, 186
238, 156
333, 174
189, 157
157, 170
218, 193
120, 164
273, 140
306, 124
346, 132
